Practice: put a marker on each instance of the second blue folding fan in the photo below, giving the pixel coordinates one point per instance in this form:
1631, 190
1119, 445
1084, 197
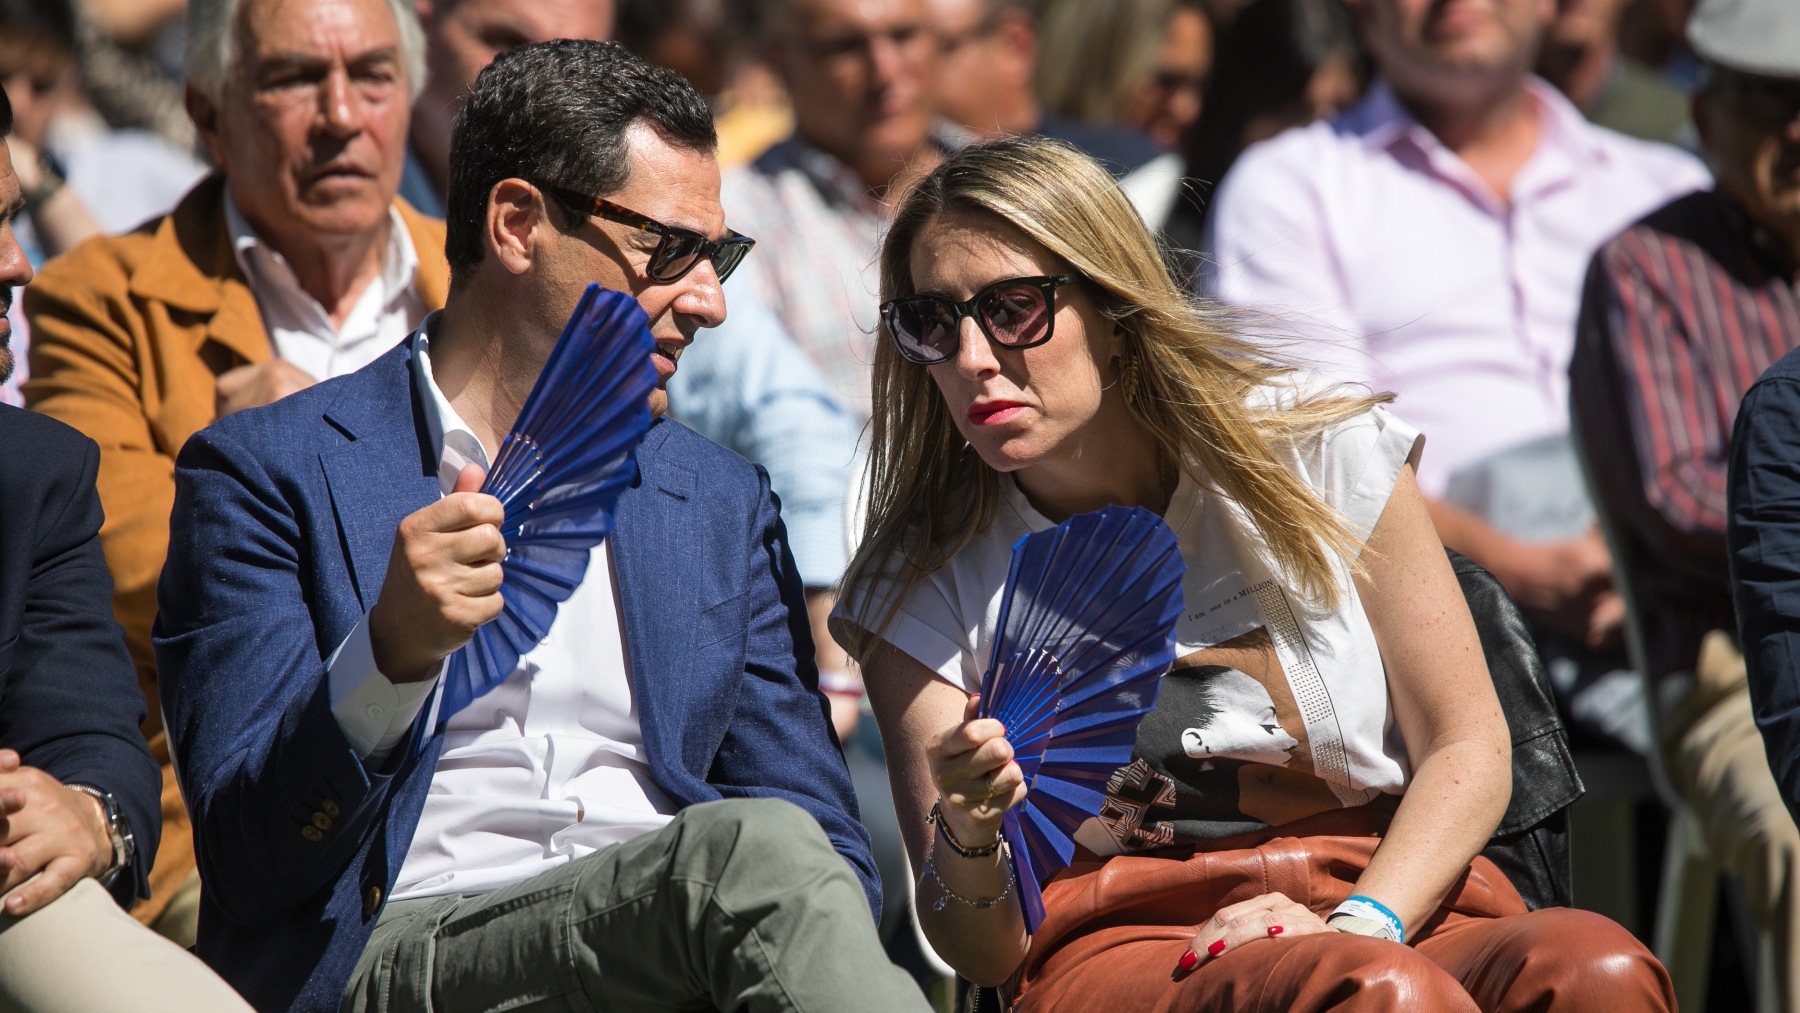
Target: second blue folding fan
1086, 631
559, 475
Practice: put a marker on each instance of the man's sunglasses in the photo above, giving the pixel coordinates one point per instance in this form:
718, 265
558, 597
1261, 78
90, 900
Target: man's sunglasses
1015, 313
677, 249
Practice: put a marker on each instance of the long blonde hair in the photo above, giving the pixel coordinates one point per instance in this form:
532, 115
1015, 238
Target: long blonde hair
930, 493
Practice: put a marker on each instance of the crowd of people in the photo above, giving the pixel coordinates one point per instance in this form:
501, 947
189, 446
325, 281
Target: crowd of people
1332, 286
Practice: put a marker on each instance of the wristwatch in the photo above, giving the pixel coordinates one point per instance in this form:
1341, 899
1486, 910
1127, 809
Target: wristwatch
118, 828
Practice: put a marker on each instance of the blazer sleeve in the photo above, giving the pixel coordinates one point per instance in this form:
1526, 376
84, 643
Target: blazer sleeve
779, 743
72, 706
280, 801
87, 362
1763, 530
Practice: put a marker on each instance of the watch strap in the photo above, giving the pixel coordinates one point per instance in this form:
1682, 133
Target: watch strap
118, 832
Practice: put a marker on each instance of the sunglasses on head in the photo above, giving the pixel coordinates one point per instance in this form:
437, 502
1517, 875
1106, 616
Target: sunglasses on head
677, 249
1014, 313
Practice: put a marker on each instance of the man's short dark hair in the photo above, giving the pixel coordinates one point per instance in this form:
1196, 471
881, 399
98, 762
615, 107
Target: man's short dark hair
555, 114
5, 114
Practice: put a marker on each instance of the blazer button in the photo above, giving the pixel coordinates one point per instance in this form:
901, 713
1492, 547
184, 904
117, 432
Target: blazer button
322, 821
330, 808
311, 833
371, 902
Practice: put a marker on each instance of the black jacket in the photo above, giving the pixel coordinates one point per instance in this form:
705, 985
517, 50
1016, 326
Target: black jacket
69, 699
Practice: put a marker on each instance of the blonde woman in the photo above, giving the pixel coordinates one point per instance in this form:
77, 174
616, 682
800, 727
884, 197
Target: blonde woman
1038, 361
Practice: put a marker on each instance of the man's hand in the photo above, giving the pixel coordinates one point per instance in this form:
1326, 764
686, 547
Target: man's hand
1565, 586
443, 581
47, 828
257, 385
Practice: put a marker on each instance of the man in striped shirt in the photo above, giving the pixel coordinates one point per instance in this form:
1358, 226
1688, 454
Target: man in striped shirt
1681, 314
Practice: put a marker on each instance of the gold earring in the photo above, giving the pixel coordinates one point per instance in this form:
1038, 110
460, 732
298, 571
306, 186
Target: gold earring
1128, 377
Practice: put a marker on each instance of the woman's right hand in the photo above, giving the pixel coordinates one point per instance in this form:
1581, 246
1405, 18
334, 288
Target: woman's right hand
977, 780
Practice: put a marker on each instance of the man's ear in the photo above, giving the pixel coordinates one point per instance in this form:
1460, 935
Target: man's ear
516, 212
205, 115
1700, 108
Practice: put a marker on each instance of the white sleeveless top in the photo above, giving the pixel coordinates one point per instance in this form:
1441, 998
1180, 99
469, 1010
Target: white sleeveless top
1276, 711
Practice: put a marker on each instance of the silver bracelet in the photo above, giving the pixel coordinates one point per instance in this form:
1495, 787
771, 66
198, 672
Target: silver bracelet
947, 894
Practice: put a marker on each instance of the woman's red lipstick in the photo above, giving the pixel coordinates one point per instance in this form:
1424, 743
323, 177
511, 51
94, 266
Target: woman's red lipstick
988, 413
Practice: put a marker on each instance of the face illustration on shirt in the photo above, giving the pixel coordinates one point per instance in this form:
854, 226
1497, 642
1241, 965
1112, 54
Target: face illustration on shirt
1238, 722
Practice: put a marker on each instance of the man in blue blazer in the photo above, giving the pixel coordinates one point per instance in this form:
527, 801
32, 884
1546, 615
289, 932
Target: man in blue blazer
650, 812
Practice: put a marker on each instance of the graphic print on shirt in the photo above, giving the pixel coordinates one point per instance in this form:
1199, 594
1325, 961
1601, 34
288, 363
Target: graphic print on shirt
1243, 736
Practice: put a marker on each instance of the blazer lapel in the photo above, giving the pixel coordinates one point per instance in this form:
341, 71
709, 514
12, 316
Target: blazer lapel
384, 473
658, 595
193, 267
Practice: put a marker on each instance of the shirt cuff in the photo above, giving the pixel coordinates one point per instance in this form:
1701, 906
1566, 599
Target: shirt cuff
374, 712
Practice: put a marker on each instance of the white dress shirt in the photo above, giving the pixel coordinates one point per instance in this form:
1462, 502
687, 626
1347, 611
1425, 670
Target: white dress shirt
1395, 265
300, 329
545, 768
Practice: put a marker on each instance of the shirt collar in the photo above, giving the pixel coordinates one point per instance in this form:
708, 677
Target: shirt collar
1380, 119
263, 264
451, 439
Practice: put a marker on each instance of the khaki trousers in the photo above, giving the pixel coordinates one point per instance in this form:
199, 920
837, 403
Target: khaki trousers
740, 904
1716, 760
82, 954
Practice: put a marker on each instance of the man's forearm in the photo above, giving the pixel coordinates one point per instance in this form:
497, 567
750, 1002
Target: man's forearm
1468, 534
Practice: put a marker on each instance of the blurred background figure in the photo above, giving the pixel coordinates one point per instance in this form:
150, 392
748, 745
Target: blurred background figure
987, 83
713, 43
1582, 58
1281, 64
1139, 64
1431, 241
37, 68
461, 37
131, 54
860, 74
80, 174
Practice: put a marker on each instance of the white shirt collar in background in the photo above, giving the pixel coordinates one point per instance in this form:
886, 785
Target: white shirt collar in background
300, 329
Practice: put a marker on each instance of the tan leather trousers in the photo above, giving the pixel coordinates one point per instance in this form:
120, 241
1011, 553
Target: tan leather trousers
1116, 928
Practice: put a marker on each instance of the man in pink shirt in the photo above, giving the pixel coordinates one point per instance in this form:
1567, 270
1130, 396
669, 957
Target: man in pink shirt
1432, 241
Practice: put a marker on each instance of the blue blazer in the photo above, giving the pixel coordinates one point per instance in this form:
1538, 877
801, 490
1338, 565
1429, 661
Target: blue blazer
283, 523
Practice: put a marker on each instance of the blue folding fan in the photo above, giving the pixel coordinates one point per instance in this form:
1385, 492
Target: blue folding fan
559, 475
1086, 631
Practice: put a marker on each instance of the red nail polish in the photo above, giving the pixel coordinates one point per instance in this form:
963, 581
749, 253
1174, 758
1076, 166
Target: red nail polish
1188, 960
1216, 948
1275, 930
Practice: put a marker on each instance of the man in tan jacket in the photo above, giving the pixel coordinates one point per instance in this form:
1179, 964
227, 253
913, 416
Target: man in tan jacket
293, 263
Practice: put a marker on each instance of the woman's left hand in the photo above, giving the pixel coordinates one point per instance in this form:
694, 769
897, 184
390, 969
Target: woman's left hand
1270, 916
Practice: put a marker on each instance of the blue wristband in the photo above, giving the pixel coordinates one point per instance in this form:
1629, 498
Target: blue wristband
1375, 911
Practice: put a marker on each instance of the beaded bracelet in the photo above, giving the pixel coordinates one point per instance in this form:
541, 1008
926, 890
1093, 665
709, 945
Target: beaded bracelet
947, 894
936, 816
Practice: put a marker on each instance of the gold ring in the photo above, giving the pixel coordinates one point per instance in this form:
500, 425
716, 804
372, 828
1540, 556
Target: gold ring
992, 791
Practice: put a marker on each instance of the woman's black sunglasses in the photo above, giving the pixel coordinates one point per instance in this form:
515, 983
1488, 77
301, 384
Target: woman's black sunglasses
677, 249
1014, 313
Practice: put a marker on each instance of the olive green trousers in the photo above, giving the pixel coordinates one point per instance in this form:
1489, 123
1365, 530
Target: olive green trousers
740, 904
